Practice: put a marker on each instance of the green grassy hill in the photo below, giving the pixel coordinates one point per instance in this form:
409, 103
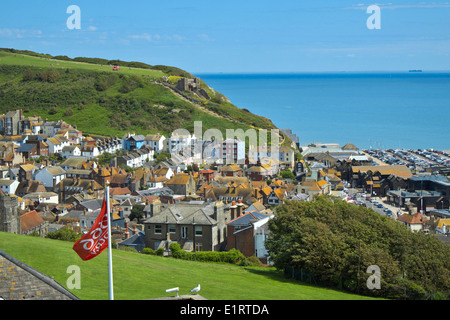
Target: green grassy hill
86, 92
139, 276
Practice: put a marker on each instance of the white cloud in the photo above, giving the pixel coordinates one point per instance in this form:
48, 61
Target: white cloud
20, 33
144, 36
157, 37
204, 37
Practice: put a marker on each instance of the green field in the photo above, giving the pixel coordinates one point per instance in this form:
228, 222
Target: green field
7, 58
139, 277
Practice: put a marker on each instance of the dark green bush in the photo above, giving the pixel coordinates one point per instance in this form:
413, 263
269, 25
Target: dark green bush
233, 256
149, 251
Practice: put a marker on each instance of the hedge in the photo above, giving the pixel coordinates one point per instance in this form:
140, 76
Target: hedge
232, 256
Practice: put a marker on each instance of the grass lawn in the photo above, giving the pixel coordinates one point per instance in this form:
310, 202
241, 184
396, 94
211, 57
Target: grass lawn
8, 58
138, 276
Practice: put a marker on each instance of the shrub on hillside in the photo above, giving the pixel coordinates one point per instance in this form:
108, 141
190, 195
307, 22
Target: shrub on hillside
233, 256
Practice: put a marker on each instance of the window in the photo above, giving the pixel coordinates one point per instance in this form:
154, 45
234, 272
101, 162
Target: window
184, 232
172, 228
158, 229
198, 231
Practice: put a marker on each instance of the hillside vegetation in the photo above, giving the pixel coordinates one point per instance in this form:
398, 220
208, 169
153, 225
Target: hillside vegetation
336, 242
139, 276
87, 92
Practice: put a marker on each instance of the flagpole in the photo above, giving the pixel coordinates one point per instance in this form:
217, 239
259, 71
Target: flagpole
110, 271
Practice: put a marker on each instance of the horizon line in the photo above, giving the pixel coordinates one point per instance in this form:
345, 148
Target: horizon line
326, 71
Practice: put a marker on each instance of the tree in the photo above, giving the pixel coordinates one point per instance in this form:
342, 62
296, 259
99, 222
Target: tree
287, 174
336, 242
64, 234
137, 212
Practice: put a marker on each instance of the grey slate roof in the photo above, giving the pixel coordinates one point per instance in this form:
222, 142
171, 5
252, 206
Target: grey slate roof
247, 218
28, 283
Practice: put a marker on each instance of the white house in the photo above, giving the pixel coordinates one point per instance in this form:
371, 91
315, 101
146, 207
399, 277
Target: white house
50, 176
181, 142
9, 186
56, 144
70, 151
155, 141
42, 197
89, 151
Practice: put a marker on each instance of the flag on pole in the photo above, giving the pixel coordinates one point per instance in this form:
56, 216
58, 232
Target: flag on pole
96, 240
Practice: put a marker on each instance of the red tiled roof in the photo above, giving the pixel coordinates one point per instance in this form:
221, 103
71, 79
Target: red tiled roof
30, 220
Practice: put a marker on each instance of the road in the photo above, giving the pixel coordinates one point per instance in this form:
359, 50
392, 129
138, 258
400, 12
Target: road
395, 210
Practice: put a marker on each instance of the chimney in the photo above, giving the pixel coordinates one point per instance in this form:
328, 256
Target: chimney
233, 210
240, 205
127, 234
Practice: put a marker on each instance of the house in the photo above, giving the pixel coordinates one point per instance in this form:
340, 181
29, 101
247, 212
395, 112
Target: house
182, 184
41, 146
206, 176
28, 150
70, 151
78, 173
89, 151
277, 196
109, 145
55, 145
42, 197
286, 157
248, 233
164, 171
195, 226
256, 154
11, 124
9, 186
258, 173
135, 241
414, 222
50, 176
26, 172
131, 141
156, 182
29, 186
9, 156
231, 170
233, 151
231, 193
310, 187
134, 159
70, 186
180, 142
155, 141
78, 163
31, 223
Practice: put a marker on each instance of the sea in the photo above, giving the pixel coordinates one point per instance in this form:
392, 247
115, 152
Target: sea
372, 110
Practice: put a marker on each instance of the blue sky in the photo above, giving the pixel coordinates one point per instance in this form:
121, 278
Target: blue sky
237, 36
